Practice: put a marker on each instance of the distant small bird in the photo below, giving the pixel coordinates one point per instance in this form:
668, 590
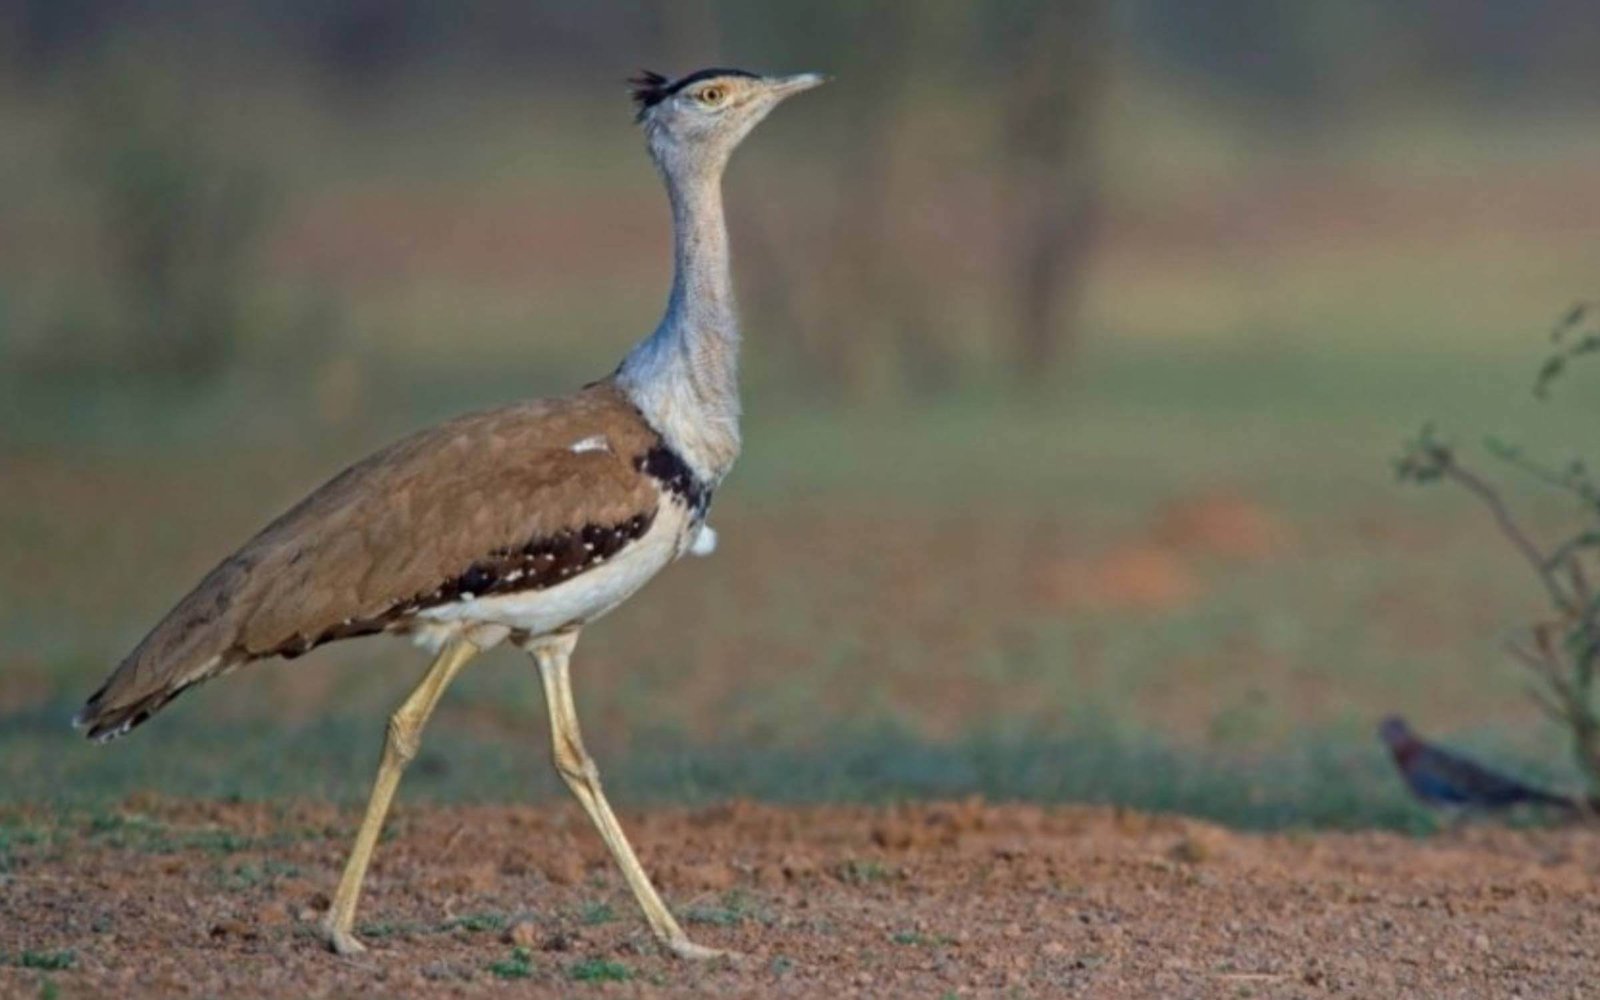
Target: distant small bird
1441, 778
521, 524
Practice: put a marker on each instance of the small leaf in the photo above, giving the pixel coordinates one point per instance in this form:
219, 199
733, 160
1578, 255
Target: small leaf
1573, 317
1547, 374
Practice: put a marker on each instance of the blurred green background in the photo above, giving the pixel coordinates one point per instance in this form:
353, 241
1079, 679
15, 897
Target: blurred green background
1079, 338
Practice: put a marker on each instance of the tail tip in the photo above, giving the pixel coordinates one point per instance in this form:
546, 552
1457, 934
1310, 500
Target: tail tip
100, 729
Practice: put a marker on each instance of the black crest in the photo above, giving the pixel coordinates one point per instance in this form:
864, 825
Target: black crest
650, 88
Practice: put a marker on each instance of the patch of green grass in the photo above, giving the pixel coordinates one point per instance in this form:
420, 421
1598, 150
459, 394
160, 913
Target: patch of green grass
378, 929
49, 961
599, 970
477, 923
12, 838
736, 907
215, 841
518, 966
147, 836
253, 874
595, 914
858, 872
713, 916
124, 830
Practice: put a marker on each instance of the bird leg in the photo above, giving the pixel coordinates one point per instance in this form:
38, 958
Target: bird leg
399, 747
578, 769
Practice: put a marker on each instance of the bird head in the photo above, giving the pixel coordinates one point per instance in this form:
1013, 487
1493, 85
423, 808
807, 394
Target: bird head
1394, 731
696, 121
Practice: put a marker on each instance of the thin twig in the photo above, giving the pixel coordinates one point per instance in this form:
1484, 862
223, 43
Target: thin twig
1543, 702
1511, 530
1567, 554
1574, 481
1544, 667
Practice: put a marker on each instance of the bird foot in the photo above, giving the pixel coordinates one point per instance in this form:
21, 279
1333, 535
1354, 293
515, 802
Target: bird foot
341, 941
684, 948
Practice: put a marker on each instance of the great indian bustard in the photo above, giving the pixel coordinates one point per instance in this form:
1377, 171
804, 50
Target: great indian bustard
523, 523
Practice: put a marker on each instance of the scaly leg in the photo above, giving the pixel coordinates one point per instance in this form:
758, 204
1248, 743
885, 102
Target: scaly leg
583, 777
399, 747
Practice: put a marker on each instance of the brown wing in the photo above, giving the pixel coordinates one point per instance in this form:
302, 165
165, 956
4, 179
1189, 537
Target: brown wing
391, 533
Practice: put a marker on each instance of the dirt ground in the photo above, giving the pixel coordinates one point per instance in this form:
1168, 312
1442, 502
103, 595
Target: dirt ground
167, 898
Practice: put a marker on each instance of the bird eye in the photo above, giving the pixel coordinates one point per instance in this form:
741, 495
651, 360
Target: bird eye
710, 96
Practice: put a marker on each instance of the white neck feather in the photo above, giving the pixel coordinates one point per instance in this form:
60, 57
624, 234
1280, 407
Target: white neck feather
684, 377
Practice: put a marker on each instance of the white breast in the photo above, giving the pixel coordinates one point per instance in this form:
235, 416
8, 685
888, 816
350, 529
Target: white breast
579, 600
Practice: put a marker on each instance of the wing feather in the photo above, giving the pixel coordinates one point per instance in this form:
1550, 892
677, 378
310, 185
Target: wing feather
388, 531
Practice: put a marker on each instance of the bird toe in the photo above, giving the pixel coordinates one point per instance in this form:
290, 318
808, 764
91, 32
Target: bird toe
684, 948
342, 942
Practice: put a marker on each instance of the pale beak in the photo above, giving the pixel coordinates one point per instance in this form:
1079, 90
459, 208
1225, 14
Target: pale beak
787, 86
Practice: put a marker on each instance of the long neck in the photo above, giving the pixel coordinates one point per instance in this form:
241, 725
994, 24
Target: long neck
685, 376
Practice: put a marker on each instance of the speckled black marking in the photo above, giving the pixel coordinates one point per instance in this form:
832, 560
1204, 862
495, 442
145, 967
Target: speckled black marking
540, 563
536, 565
673, 474
650, 89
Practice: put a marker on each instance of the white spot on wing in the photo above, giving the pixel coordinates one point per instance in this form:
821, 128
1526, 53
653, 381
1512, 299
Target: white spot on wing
596, 442
705, 541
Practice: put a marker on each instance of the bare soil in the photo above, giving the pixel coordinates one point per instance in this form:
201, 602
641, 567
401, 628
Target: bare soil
179, 898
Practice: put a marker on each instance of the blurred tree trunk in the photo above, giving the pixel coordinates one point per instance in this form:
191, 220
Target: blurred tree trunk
861, 301
1057, 52
849, 307
882, 316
